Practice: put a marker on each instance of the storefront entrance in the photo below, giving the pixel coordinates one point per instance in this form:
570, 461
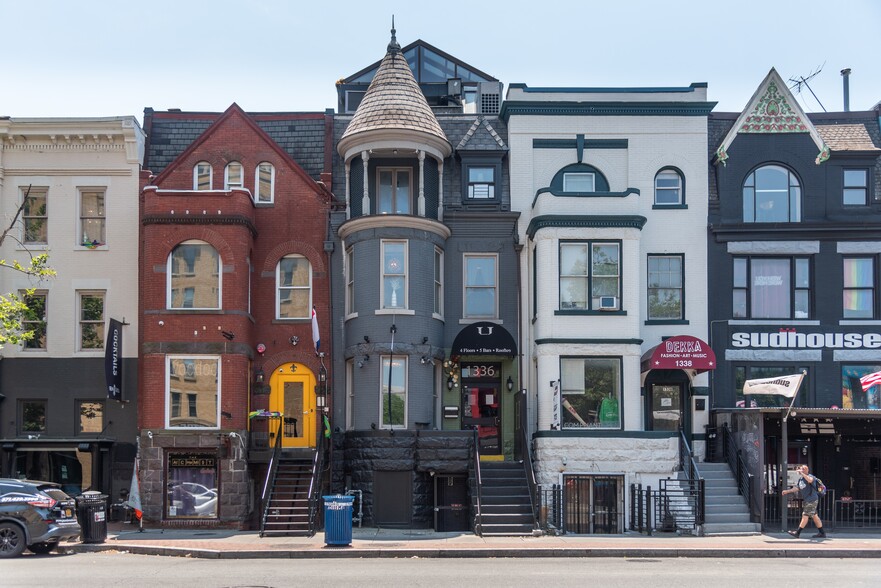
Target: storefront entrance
593, 504
481, 404
292, 393
666, 404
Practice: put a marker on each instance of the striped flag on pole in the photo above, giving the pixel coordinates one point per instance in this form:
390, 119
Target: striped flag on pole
870, 380
316, 338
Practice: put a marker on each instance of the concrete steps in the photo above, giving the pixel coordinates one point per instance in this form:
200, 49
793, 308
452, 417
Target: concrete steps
726, 512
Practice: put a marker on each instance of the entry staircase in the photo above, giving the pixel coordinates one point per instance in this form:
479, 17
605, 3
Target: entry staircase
726, 509
500, 499
290, 507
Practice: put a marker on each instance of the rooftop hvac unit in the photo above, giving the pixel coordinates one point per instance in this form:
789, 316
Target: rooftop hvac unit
490, 97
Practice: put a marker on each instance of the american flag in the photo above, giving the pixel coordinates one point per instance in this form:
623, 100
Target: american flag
870, 380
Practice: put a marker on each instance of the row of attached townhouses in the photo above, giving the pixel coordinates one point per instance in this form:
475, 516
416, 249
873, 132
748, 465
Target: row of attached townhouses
471, 310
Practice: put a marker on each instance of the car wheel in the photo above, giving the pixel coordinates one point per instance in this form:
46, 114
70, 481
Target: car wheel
12, 540
43, 548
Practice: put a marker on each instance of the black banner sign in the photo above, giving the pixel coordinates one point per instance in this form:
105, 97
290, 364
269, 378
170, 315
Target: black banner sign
113, 360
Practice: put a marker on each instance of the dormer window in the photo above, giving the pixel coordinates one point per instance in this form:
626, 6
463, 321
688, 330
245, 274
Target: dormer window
579, 182
481, 183
394, 191
771, 194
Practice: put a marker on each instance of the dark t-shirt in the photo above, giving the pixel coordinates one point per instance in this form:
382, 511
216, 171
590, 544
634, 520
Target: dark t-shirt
807, 491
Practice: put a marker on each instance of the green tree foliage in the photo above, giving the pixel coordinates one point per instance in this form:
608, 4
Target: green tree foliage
14, 308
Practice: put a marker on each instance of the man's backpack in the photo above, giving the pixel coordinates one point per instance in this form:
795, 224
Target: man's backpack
820, 486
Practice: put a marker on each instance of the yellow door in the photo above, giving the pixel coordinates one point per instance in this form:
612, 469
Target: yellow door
293, 395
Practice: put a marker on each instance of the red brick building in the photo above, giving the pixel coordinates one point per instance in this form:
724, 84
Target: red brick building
234, 213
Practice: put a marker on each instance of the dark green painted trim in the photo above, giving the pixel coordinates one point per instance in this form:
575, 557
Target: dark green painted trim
556, 108
561, 194
590, 312
590, 341
634, 221
607, 433
699, 437
576, 90
573, 143
670, 206
667, 322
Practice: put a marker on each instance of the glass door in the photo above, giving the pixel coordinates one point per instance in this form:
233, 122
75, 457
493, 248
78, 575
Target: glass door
666, 407
480, 410
293, 395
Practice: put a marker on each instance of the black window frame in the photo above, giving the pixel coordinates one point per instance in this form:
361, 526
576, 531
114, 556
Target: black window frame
793, 288
790, 175
482, 162
864, 187
678, 205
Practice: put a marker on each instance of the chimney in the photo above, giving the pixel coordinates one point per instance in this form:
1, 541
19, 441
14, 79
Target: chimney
845, 74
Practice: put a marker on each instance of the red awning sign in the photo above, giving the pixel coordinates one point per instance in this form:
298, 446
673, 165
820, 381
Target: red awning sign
682, 352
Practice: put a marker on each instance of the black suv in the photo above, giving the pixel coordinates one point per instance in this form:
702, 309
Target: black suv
36, 515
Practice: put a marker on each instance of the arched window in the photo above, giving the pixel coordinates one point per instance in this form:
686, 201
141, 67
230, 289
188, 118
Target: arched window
264, 183
294, 280
771, 194
669, 188
194, 277
233, 176
202, 176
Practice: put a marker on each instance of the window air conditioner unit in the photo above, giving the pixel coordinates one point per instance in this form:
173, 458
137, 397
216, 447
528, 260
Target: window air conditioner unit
608, 303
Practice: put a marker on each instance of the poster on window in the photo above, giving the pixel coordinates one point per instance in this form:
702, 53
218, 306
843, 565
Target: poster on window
192, 486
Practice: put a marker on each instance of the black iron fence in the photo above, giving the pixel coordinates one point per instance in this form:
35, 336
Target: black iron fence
836, 514
550, 508
676, 506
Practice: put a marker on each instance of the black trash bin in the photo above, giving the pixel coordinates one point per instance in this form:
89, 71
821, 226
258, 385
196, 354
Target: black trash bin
338, 519
91, 511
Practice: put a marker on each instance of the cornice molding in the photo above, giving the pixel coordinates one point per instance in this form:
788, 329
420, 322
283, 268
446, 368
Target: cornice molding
386, 221
585, 221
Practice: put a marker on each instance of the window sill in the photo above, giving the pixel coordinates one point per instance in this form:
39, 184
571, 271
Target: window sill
195, 310
666, 322
471, 321
32, 247
590, 312
351, 316
103, 247
437, 316
670, 206
291, 321
402, 311
866, 321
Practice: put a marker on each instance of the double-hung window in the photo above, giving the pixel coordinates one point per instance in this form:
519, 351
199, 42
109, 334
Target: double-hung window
481, 183
438, 282
196, 380
92, 218
294, 279
668, 188
350, 280
202, 173
394, 191
859, 287
590, 392
36, 215
233, 176
772, 287
264, 190
91, 323
481, 286
394, 274
590, 276
856, 187
35, 319
665, 287
194, 276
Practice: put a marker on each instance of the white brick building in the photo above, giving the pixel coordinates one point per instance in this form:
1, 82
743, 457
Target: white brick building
612, 189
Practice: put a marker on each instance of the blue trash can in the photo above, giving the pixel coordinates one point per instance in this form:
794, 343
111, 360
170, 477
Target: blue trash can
338, 519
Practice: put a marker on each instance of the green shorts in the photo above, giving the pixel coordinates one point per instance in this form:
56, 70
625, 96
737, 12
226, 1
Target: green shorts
809, 509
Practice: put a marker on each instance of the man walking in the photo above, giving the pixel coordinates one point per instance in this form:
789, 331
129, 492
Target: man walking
810, 498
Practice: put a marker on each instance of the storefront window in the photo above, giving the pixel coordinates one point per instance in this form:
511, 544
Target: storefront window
755, 372
591, 393
855, 394
192, 486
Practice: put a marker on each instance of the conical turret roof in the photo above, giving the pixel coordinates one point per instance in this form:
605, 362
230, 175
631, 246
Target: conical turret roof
394, 103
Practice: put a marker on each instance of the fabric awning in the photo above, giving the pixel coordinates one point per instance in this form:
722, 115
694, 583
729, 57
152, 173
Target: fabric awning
682, 352
484, 338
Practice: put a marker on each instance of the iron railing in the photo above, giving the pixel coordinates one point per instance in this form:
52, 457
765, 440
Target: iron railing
478, 483
641, 514
527, 460
315, 482
771, 521
269, 482
856, 514
676, 506
742, 476
550, 508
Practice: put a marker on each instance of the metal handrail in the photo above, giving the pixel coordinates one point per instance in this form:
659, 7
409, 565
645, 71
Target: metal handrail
269, 482
315, 482
693, 475
744, 479
527, 462
479, 482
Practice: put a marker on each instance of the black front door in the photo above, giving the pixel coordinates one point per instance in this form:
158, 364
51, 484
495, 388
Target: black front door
666, 403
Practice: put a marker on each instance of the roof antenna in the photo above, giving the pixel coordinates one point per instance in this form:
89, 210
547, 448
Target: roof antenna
797, 83
393, 46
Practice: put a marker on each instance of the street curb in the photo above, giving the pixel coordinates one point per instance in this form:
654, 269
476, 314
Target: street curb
474, 553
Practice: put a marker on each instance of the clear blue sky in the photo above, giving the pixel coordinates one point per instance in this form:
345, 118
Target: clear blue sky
112, 58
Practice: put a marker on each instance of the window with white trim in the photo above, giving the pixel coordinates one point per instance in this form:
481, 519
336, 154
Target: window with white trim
91, 320
350, 280
438, 282
668, 187
665, 276
590, 275
394, 191
481, 182
92, 217
394, 399
590, 392
194, 276
481, 283
35, 319
579, 182
233, 175
195, 379
35, 215
394, 274
264, 188
202, 176
294, 279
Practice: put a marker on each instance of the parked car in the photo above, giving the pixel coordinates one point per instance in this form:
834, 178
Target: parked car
36, 515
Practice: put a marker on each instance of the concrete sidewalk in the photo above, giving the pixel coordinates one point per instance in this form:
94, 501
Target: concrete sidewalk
374, 543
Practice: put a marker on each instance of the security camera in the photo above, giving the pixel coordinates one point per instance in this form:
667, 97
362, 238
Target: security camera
150, 434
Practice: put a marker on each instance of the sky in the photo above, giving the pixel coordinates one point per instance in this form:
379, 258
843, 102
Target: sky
116, 57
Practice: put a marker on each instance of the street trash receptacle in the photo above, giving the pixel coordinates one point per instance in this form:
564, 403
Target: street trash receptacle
91, 511
338, 519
